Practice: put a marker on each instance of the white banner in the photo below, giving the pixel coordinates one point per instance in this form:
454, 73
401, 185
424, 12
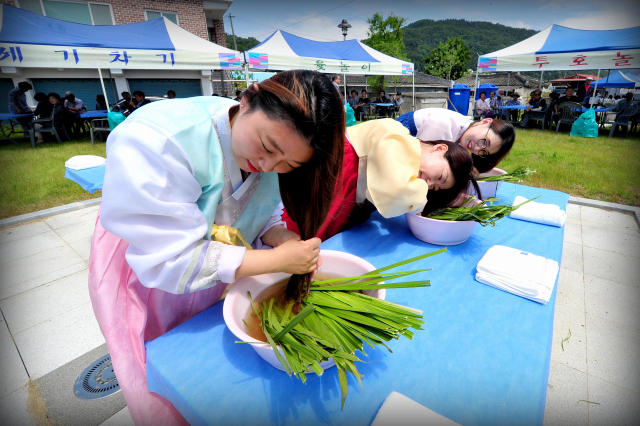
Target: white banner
43, 56
574, 61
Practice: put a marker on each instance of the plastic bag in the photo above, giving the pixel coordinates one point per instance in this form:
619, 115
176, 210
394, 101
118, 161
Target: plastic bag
585, 126
114, 119
351, 116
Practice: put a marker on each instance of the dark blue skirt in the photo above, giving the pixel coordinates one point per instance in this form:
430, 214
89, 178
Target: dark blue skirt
408, 122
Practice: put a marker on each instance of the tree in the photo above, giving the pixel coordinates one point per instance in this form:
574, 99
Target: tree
449, 60
239, 79
243, 43
385, 35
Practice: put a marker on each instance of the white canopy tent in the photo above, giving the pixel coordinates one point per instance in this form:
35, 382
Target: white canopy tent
284, 51
559, 48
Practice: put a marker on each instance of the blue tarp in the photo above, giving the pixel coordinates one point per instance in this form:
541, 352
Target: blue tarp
23, 27
482, 359
617, 79
563, 39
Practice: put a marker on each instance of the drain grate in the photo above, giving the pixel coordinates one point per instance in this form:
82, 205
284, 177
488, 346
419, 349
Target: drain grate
97, 380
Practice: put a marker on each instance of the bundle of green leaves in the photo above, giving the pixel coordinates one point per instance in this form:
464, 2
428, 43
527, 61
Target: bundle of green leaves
336, 320
515, 176
482, 213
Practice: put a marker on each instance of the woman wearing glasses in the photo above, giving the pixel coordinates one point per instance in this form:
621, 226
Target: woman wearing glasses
488, 140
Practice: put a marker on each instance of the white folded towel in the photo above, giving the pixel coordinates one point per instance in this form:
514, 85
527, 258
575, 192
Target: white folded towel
547, 214
80, 162
518, 272
398, 410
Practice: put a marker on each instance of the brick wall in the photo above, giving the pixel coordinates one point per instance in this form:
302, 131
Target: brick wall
217, 33
190, 13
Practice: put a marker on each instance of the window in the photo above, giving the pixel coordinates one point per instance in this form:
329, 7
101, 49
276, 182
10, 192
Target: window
154, 14
81, 13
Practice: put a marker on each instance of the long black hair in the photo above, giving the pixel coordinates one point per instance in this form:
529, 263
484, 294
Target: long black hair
309, 103
462, 168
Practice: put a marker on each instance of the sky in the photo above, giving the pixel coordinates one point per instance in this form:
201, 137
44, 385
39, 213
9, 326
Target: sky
319, 19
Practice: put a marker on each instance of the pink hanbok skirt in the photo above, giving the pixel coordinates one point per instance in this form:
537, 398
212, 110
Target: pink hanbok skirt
130, 314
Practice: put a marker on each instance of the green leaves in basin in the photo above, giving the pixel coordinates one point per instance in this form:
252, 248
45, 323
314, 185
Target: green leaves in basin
336, 320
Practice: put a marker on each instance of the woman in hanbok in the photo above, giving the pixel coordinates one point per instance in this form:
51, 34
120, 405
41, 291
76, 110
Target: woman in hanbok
388, 170
190, 187
488, 140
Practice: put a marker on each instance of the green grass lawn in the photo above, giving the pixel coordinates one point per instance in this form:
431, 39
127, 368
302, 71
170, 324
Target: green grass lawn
606, 169
33, 179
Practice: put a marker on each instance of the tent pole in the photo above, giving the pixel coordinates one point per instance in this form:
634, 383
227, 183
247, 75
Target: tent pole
596, 87
475, 89
606, 86
413, 85
104, 92
508, 81
246, 74
540, 85
366, 84
344, 85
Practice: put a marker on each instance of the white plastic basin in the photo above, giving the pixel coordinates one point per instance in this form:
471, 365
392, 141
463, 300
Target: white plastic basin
237, 303
489, 189
440, 232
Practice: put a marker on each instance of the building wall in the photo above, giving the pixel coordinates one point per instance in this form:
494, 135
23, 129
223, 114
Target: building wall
217, 33
191, 15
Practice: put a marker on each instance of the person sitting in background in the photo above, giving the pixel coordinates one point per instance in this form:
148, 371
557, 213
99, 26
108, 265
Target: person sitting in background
354, 99
628, 99
74, 109
59, 112
382, 99
124, 105
616, 99
397, 102
140, 99
44, 107
238, 97
73, 104
18, 104
171, 94
101, 103
483, 107
569, 96
494, 104
43, 111
513, 113
226, 94
336, 82
536, 108
363, 102
553, 100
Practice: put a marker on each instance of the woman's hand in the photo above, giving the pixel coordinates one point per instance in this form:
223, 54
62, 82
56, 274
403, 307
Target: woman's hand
292, 257
298, 257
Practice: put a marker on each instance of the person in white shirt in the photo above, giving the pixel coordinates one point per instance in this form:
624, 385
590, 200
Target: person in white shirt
488, 140
483, 106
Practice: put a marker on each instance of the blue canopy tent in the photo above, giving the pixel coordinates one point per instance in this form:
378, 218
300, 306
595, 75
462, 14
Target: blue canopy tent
29, 40
617, 80
284, 51
560, 48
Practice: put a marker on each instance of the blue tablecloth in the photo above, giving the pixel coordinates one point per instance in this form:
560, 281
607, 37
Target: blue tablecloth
514, 107
89, 179
382, 104
12, 116
95, 114
585, 109
482, 359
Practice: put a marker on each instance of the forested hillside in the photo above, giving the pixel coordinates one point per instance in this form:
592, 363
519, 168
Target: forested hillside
421, 37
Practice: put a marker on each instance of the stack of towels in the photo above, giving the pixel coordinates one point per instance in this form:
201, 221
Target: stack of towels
547, 214
81, 162
518, 272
